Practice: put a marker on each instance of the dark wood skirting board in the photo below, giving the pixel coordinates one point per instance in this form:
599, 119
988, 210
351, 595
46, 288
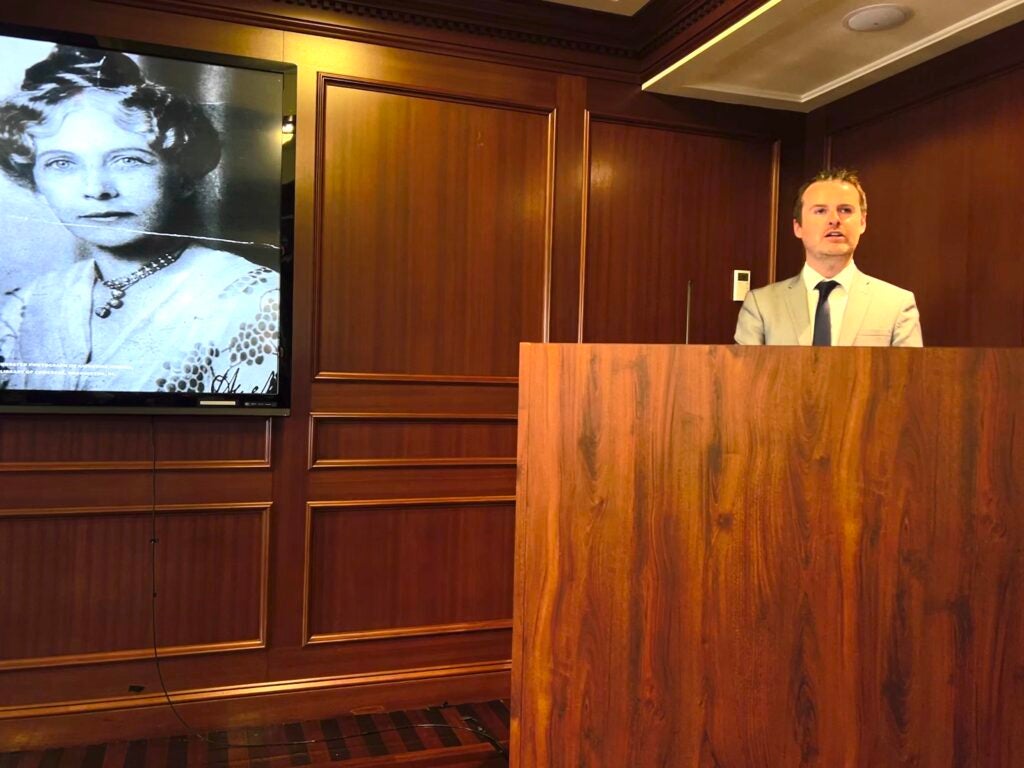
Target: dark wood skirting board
71, 722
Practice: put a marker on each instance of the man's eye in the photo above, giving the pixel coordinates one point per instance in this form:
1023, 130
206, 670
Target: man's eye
130, 161
58, 163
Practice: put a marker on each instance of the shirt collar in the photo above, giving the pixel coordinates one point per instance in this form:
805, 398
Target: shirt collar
845, 278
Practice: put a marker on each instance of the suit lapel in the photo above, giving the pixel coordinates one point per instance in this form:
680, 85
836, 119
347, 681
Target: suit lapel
856, 308
796, 305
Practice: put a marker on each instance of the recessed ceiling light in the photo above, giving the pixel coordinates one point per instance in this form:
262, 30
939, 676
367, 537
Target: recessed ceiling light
875, 18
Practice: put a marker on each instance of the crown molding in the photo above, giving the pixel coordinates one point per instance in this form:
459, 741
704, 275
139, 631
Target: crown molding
551, 36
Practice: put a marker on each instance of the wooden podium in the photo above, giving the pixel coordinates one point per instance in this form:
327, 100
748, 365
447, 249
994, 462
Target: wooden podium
773, 557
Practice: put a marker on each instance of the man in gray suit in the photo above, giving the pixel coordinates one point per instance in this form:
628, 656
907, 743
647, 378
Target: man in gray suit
831, 302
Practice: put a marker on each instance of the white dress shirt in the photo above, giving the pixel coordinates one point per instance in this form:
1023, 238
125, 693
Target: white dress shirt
836, 300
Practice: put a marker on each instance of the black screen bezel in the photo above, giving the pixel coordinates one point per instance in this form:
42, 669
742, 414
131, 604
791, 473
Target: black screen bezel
278, 404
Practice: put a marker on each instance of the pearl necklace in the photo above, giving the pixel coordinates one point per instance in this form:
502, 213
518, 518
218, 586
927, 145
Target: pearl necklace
119, 285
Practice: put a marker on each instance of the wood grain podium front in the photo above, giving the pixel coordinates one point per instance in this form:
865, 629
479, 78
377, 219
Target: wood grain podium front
733, 556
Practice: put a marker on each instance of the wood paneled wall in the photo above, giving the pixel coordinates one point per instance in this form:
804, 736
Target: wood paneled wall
712, 197
358, 553
940, 150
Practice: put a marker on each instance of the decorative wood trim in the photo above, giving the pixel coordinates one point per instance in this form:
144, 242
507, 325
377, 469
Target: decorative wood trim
320, 129
130, 466
430, 501
313, 506
77, 466
543, 36
261, 508
147, 466
549, 225
556, 27
697, 12
411, 463
682, 27
773, 218
47, 662
486, 26
683, 127
587, 118
128, 509
502, 381
326, 81
227, 692
435, 93
469, 461
434, 629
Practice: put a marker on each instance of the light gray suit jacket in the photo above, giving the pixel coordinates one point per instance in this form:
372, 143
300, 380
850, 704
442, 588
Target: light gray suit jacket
878, 314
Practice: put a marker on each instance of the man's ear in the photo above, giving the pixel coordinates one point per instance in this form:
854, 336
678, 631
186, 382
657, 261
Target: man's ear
798, 230
863, 222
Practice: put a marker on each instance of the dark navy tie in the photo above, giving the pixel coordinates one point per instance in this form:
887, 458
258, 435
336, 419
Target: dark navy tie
822, 317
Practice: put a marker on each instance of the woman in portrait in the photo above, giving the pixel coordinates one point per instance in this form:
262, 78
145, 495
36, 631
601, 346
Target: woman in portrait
142, 308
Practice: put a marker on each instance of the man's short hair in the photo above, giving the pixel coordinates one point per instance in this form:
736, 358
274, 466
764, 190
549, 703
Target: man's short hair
847, 175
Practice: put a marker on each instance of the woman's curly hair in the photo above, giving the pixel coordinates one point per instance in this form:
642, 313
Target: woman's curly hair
178, 130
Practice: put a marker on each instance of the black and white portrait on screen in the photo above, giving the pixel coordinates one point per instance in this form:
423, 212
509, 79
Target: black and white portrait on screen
140, 200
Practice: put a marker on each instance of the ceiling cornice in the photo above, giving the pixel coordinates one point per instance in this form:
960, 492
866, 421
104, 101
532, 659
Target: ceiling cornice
547, 25
552, 36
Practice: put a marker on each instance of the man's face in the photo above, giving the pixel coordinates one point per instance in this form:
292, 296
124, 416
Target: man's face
832, 221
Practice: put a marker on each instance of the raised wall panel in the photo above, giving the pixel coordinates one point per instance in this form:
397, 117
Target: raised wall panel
82, 442
76, 584
414, 567
411, 440
411, 396
667, 208
211, 442
55, 442
944, 190
434, 241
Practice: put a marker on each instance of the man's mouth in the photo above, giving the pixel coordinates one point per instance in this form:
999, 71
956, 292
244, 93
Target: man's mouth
835, 235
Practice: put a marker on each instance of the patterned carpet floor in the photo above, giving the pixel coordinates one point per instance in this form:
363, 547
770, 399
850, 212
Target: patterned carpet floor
464, 735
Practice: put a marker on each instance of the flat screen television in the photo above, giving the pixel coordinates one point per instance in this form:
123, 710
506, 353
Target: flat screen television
147, 202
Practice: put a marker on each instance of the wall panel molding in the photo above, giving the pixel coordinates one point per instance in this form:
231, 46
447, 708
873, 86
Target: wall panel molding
654, 270
557, 37
98, 444
457, 233
79, 597
400, 555
425, 631
424, 436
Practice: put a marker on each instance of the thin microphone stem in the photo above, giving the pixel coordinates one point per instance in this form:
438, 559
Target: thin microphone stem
689, 297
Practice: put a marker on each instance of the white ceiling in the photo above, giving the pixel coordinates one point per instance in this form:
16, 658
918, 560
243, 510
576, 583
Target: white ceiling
624, 7
797, 55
